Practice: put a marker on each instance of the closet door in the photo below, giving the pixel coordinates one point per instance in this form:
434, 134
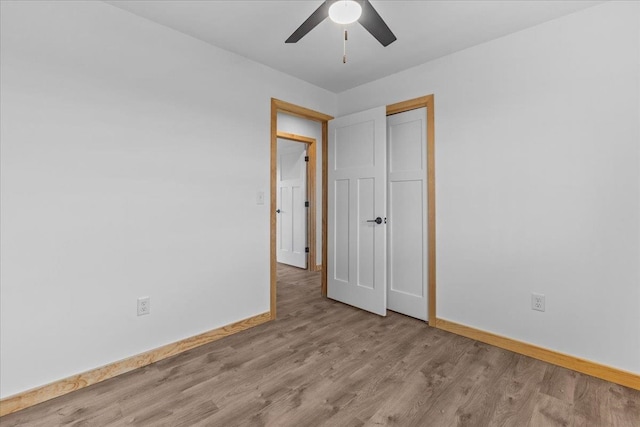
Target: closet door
407, 228
356, 265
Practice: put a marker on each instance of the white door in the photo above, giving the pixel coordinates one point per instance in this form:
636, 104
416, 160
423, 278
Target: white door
356, 267
291, 226
407, 228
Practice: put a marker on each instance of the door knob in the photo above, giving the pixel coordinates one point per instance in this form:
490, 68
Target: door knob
377, 220
277, 210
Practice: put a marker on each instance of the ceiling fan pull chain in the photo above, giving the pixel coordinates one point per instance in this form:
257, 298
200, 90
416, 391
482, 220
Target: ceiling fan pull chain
344, 55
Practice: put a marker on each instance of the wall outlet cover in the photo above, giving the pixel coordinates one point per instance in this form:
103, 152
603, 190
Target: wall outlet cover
144, 306
537, 302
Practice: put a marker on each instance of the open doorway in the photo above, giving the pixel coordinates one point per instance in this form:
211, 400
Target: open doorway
284, 112
296, 201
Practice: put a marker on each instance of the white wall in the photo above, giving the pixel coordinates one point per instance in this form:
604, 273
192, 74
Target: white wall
537, 181
131, 158
312, 129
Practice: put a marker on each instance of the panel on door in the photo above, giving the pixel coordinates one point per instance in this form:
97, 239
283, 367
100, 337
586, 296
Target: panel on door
356, 267
291, 223
407, 228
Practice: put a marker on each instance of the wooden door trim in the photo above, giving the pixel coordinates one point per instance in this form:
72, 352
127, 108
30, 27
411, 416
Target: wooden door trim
401, 107
325, 204
296, 110
294, 137
278, 106
311, 192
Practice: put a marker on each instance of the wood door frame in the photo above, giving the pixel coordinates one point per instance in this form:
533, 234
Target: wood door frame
401, 107
278, 106
311, 192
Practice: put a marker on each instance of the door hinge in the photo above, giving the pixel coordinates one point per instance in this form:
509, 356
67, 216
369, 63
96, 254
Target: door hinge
306, 204
306, 158
306, 250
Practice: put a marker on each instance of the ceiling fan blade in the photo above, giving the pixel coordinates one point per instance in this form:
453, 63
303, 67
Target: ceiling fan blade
316, 17
374, 23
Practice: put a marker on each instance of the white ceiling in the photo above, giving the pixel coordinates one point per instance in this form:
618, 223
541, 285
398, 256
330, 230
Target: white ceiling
425, 30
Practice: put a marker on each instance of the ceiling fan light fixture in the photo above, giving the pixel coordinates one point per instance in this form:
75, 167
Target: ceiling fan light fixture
345, 12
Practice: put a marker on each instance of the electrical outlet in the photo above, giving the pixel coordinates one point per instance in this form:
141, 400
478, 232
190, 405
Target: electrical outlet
537, 302
144, 306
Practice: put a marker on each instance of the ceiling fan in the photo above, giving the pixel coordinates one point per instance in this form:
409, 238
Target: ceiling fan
346, 12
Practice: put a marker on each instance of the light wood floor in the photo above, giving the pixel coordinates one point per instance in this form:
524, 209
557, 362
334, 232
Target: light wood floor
325, 363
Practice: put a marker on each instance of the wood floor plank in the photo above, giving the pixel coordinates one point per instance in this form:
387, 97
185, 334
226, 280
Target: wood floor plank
517, 401
560, 383
323, 363
551, 412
